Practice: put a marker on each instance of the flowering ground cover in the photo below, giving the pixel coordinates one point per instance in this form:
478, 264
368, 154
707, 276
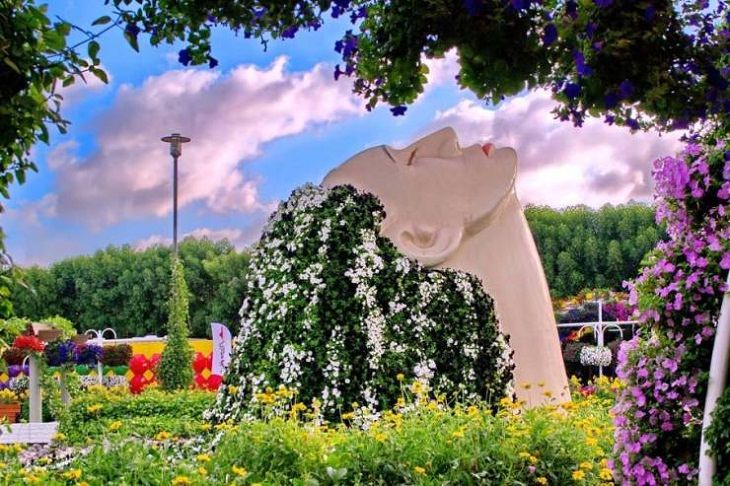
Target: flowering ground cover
421, 440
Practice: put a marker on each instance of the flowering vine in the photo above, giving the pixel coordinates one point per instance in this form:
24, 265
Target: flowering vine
333, 313
659, 413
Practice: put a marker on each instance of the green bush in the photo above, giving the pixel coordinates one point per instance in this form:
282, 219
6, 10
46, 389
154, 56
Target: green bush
11, 328
718, 437
91, 412
174, 372
67, 327
335, 312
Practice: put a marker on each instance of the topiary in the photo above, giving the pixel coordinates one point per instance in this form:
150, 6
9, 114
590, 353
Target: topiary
335, 312
175, 372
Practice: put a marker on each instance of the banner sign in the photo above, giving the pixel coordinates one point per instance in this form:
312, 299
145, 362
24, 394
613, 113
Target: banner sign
221, 348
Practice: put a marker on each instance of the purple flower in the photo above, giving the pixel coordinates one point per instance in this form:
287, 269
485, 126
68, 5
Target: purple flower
603, 3
550, 34
289, 32
626, 89
572, 90
473, 7
183, 57
398, 110
212, 62
580, 64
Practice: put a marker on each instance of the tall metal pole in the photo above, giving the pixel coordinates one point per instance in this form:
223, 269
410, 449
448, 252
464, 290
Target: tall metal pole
174, 205
175, 140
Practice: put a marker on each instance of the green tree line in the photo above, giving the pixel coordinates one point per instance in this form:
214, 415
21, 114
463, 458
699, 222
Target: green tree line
128, 290
585, 248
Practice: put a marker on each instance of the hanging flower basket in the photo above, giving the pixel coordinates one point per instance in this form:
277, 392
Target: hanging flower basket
595, 356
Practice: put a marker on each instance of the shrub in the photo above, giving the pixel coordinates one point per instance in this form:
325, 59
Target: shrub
718, 438
67, 327
174, 372
116, 355
335, 312
91, 411
11, 328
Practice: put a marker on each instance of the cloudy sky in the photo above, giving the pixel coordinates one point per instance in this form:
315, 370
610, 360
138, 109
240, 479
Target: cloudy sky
262, 123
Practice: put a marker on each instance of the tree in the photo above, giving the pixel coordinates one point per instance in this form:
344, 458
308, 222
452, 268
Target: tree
174, 370
127, 290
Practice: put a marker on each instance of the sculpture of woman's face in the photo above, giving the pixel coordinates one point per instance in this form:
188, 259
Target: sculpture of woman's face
434, 191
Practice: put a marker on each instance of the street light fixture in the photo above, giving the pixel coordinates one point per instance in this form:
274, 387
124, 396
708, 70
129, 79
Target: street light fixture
175, 140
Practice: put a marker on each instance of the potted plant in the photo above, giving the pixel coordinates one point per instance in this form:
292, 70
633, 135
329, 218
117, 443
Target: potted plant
60, 354
117, 358
9, 406
86, 355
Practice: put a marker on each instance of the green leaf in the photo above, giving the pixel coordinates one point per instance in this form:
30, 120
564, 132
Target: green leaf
131, 40
11, 64
104, 19
69, 81
20, 176
100, 74
94, 50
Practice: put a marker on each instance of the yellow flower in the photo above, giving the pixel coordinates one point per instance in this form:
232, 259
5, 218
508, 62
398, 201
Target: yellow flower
202, 471
202, 458
72, 474
162, 436
181, 481
579, 475
114, 426
591, 441
239, 471
232, 389
59, 437
400, 377
542, 480
94, 408
524, 455
380, 437
605, 474
458, 433
419, 470
526, 386
586, 465
82, 483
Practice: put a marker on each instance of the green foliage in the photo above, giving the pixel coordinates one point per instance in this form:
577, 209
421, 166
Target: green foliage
174, 371
669, 53
127, 290
140, 440
145, 414
718, 438
67, 327
11, 328
35, 59
335, 312
584, 248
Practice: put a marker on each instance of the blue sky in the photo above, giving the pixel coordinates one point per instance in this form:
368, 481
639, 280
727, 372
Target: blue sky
262, 123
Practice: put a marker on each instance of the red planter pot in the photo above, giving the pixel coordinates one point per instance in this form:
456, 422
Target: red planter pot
10, 411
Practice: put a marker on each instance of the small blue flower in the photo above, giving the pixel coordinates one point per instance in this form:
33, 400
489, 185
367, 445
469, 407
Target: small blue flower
398, 110
633, 124
338, 73
580, 64
212, 62
603, 3
289, 32
550, 34
572, 90
591, 29
183, 57
571, 9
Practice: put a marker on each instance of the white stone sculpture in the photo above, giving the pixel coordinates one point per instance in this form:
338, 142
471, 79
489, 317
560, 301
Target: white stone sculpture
448, 206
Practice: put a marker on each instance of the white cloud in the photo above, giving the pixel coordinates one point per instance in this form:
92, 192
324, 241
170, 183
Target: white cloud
229, 118
560, 164
239, 238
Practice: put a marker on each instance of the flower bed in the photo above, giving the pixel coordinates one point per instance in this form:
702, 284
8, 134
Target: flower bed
421, 440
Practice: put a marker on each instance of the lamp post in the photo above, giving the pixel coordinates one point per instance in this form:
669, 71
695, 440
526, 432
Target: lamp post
175, 140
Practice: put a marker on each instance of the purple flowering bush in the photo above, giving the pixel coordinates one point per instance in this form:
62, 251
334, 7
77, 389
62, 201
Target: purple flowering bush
659, 414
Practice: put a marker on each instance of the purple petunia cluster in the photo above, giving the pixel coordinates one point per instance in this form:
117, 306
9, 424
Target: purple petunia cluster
658, 416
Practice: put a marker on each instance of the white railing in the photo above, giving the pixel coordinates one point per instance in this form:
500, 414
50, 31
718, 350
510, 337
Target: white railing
599, 328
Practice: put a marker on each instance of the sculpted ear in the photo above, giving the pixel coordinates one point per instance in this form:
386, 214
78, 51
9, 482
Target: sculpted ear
429, 245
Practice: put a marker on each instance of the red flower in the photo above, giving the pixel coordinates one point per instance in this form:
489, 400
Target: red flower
30, 343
